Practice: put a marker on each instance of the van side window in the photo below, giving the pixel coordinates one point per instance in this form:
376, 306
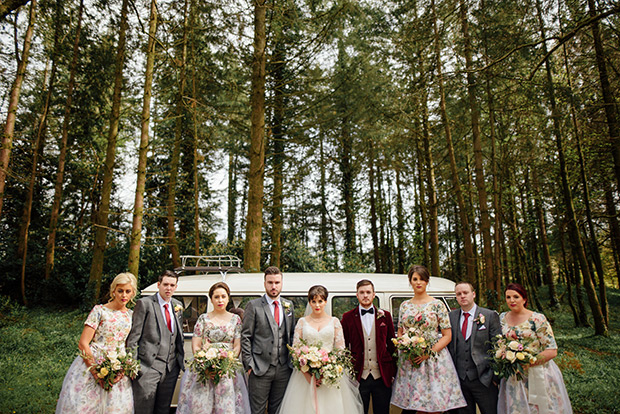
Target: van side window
194, 306
342, 304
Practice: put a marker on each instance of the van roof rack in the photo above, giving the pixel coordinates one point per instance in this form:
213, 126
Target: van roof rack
210, 264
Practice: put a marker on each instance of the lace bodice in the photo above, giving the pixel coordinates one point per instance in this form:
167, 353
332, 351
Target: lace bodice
330, 336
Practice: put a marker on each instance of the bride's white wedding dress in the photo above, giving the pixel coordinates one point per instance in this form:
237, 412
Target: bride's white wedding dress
302, 397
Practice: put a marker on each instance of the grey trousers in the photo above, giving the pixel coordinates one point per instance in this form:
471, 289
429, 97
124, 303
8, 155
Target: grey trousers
267, 391
476, 392
153, 390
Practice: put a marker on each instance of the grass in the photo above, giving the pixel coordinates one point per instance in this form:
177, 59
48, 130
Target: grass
38, 345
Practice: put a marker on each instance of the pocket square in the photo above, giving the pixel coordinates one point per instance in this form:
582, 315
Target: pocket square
482, 328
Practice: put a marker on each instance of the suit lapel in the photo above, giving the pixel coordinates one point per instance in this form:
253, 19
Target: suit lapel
474, 328
269, 316
358, 324
160, 318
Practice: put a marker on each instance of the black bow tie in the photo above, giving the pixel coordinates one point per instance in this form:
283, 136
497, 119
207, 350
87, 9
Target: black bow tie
371, 311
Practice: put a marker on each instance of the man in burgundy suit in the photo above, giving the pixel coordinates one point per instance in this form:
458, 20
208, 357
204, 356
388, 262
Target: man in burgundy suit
368, 333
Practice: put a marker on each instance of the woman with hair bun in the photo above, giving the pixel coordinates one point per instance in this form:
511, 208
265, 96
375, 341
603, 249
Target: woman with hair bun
304, 394
105, 331
542, 389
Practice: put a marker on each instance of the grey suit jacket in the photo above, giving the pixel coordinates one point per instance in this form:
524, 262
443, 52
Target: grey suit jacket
260, 332
147, 327
480, 341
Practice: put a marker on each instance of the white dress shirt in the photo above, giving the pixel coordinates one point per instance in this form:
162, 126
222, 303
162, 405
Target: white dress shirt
470, 320
367, 319
272, 308
173, 319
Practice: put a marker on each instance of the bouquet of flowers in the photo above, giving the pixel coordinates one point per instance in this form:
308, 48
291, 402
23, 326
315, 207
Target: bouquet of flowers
112, 364
413, 342
511, 355
213, 364
325, 366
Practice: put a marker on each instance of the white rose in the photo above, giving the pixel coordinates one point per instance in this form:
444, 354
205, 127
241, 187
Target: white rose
510, 356
514, 345
211, 353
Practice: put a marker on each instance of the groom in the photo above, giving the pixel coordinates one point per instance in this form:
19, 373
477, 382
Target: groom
368, 333
268, 326
157, 331
473, 330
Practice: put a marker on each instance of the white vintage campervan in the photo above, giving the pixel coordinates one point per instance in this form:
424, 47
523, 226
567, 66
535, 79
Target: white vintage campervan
391, 289
193, 290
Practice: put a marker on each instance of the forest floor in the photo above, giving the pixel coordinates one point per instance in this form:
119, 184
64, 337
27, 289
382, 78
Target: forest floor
38, 345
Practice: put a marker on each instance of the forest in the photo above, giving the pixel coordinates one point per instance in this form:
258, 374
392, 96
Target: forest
478, 137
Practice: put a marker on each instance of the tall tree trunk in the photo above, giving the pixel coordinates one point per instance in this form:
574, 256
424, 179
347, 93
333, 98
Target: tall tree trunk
9, 127
586, 191
277, 130
38, 145
611, 111
253, 239
614, 228
467, 239
232, 196
373, 207
138, 208
569, 281
542, 225
485, 222
600, 326
323, 231
400, 224
55, 214
431, 187
195, 143
176, 146
102, 215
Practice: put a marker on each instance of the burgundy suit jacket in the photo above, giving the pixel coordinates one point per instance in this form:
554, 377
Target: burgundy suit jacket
354, 339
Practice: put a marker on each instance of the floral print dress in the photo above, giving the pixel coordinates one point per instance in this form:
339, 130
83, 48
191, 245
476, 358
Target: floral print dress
548, 394
230, 395
80, 392
434, 386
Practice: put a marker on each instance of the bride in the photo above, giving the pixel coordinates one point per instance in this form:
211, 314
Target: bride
303, 394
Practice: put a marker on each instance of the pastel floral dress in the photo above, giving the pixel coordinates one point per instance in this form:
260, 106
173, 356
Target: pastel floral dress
80, 392
230, 395
548, 394
434, 386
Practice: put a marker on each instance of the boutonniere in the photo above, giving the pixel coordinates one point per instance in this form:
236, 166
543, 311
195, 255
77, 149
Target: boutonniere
480, 319
287, 306
178, 308
380, 313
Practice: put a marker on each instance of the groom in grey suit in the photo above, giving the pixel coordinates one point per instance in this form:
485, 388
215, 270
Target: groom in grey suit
473, 330
268, 326
157, 331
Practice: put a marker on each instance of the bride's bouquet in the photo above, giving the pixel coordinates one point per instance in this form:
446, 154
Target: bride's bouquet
327, 367
511, 355
413, 343
109, 366
213, 364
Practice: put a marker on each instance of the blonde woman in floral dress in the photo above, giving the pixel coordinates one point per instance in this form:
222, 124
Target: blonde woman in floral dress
434, 386
105, 331
542, 391
222, 329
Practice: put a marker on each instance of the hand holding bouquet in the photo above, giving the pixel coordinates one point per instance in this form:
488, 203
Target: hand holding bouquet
325, 366
112, 366
511, 356
414, 343
213, 364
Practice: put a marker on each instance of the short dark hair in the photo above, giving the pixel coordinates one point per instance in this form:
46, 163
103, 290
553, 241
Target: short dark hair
168, 273
272, 270
464, 282
519, 289
365, 282
317, 290
219, 285
421, 271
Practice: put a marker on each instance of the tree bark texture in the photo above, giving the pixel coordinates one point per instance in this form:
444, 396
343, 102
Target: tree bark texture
254, 222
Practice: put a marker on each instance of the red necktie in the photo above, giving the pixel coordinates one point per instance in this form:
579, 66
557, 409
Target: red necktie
464, 327
276, 312
168, 321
